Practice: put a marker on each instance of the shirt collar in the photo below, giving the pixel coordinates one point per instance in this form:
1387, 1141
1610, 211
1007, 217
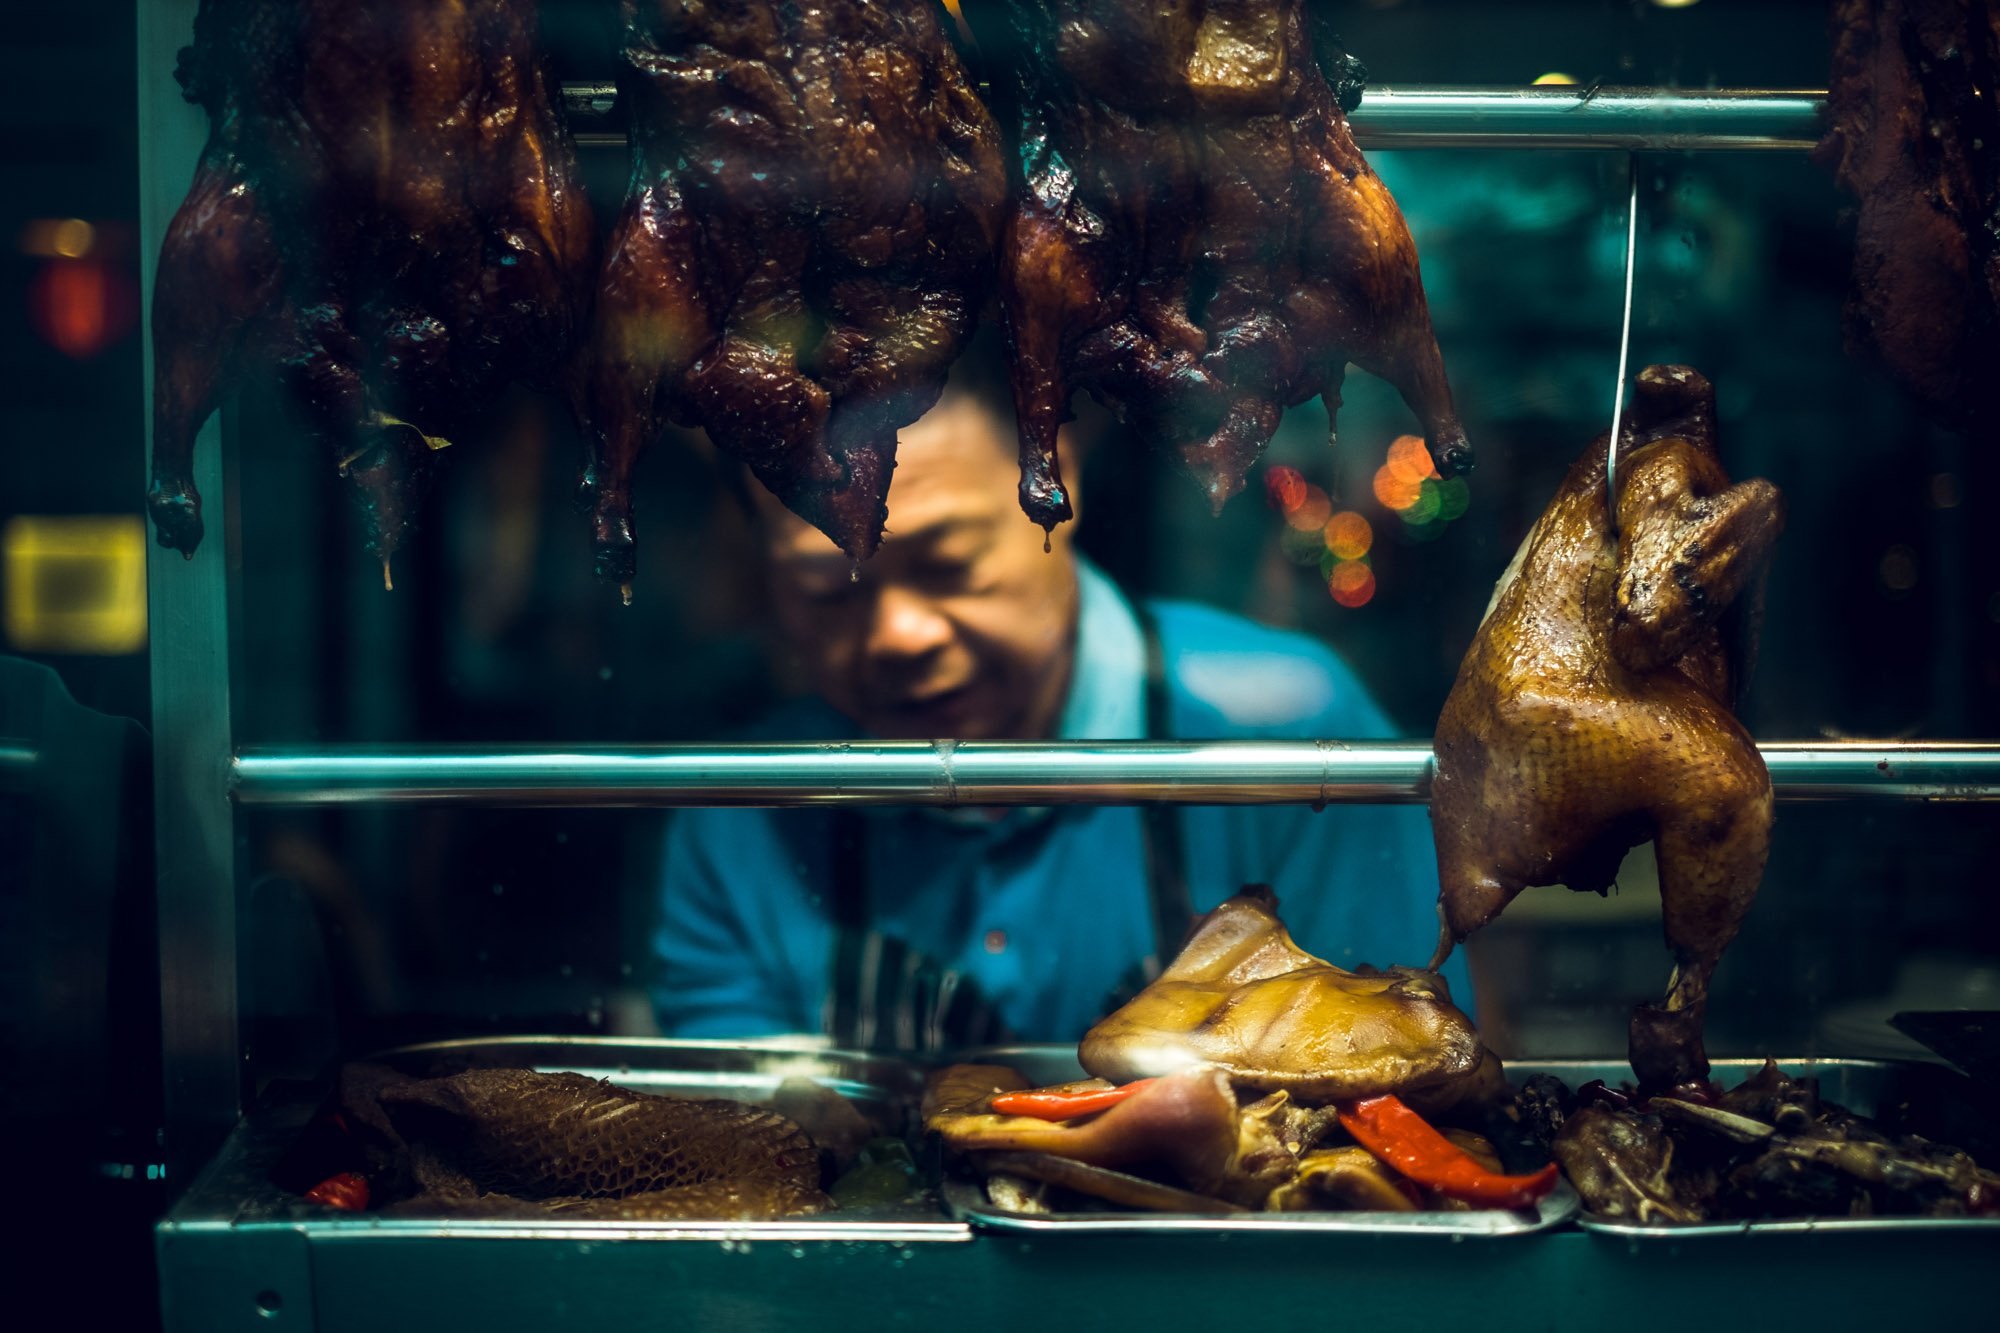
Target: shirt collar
1107, 684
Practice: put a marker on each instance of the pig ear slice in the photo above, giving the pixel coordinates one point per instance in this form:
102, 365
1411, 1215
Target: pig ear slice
219, 275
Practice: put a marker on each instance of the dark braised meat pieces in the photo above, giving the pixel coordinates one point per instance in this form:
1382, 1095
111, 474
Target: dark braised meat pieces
1593, 711
1913, 133
1195, 238
387, 211
1769, 1148
815, 197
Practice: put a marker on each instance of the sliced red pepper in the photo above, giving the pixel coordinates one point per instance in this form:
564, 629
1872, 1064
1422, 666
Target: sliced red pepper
346, 1191
1407, 1142
1065, 1105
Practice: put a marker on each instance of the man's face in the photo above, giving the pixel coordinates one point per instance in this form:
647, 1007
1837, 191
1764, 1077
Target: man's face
961, 625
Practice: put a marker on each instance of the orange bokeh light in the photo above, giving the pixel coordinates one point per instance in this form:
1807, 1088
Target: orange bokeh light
1352, 583
1410, 461
1348, 535
1312, 512
1396, 492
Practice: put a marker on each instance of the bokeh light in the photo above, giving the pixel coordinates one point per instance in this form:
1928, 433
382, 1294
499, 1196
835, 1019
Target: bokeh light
1425, 506
1454, 496
1410, 460
1284, 488
1352, 583
1311, 513
1348, 535
1301, 546
1393, 491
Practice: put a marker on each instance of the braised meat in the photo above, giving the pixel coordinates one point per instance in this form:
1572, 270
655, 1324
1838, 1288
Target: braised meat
1913, 133
387, 212
815, 197
1593, 711
505, 1142
1243, 997
1195, 238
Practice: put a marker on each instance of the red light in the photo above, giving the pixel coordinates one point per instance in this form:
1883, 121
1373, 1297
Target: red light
1285, 488
1352, 583
81, 306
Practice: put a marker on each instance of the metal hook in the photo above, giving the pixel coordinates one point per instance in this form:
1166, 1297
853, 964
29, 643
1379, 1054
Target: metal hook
1624, 340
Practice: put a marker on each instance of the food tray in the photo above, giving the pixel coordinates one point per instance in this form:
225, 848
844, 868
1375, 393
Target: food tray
236, 1189
1042, 1065
1905, 1096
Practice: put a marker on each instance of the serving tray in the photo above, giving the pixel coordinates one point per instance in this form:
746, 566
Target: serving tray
1044, 1065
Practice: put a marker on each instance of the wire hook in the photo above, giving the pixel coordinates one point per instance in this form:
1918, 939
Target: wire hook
1624, 338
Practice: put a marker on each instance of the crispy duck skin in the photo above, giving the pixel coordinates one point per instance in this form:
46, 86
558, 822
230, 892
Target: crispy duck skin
1913, 134
1195, 239
513, 1141
815, 197
1593, 711
387, 211
1243, 997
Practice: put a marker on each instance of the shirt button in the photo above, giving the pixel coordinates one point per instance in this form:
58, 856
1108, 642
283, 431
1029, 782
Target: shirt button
996, 941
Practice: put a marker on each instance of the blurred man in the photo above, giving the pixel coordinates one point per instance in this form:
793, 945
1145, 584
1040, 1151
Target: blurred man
927, 929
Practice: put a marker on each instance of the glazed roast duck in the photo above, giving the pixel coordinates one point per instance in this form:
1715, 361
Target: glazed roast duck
1227, 1083
1593, 711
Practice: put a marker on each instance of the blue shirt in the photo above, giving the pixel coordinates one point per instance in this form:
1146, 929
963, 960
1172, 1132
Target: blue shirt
1048, 909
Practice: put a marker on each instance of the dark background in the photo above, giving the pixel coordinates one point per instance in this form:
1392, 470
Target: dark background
367, 926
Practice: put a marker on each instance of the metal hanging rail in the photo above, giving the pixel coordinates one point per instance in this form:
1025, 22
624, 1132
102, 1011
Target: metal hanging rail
1623, 119
1002, 773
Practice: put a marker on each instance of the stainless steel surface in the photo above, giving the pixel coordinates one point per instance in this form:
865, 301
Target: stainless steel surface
1628, 119
1624, 340
1044, 1064
188, 606
1862, 1086
235, 1190
1006, 773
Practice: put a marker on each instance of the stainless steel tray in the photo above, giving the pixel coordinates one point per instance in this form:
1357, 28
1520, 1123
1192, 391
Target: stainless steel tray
236, 1190
1889, 1090
1042, 1065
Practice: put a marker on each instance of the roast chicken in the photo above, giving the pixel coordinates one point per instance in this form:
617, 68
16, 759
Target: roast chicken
815, 198
1242, 997
1593, 711
1194, 237
1913, 134
387, 212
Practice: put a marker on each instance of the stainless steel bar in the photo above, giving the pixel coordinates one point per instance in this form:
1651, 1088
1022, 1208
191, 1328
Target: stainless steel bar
997, 773
1624, 119
188, 603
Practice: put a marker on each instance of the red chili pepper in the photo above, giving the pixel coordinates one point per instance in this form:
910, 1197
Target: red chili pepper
1065, 1105
346, 1191
1406, 1141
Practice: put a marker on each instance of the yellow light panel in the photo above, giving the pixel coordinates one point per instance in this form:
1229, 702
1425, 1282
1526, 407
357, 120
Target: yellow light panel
75, 583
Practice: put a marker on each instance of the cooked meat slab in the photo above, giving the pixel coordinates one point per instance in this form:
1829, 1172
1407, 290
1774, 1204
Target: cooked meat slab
387, 213
816, 194
1194, 237
1593, 711
1913, 133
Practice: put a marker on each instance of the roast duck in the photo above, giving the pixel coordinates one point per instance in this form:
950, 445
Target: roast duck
815, 199
1194, 237
1250, 1076
1913, 134
387, 214
1592, 712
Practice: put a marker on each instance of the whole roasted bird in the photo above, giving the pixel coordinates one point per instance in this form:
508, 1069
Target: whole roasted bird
1913, 133
816, 193
1593, 711
1195, 238
387, 211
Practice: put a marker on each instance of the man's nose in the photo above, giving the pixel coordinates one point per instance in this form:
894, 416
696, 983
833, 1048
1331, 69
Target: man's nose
906, 625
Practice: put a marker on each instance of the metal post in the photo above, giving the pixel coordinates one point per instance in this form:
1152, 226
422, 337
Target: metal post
190, 654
